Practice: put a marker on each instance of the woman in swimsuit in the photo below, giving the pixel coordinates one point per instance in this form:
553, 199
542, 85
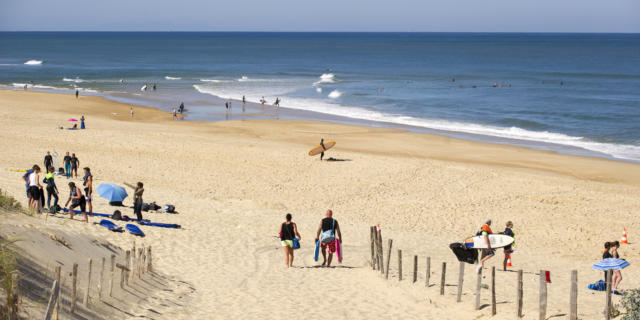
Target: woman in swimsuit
617, 275
288, 230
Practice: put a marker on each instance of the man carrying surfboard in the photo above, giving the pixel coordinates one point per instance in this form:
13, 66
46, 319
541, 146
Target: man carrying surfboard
323, 148
328, 227
488, 253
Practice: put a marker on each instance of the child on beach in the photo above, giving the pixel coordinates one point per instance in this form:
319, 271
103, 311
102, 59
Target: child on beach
508, 249
288, 230
77, 200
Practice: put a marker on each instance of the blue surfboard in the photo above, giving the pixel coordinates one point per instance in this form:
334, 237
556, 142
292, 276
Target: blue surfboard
134, 230
110, 225
315, 257
157, 224
95, 213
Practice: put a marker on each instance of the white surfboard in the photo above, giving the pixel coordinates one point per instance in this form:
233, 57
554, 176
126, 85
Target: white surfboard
56, 163
496, 241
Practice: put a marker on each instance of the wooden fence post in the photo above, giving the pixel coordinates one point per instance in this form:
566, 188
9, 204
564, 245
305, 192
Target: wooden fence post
113, 267
519, 294
478, 288
386, 274
380, 253
150, 266
15, 296
127, 263
493, 291
123, 274
373, 252
85, 302
573, 296
460, 280
415, 269
140, 259
55, 290
607, 308
56, 309
132, 267
428, 276
442, 280
543, 296
399, 265
74, 291
101, 279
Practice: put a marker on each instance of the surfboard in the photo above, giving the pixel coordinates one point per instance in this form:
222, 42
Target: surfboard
157, 224
110, 225
17, 170
317, 253
318, 150
338, 250
56, 163
496, 241
134, 230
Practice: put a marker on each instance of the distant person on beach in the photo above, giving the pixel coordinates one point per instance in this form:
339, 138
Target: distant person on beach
288, 231
323, 148
617, 275
77, 200
137, 201
328, 227
181, 107
262, 101
25, 87
154, 87
82, 122
52, 189
34, 188
508, 250
244, 103
243, 100
87, 182
48, 161
67, 165
487, 253
131, 111
277, 102
75, 163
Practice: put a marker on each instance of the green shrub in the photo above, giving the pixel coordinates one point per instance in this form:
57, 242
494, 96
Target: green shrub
631, 302
9, 203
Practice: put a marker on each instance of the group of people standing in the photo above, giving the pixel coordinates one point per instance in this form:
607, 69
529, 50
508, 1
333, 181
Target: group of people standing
328, 231
488, 253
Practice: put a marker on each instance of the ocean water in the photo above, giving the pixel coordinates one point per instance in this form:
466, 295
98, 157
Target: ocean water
565, 92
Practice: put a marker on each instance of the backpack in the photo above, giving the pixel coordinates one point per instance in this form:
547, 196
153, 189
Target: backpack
145, 206
117, 215
54, 208
329, 235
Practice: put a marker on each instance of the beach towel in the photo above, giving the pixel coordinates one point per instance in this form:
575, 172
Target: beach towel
463, 253
598, 286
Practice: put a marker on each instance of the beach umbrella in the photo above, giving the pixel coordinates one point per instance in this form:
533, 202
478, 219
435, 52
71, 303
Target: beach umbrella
611, 264
73, 120
112, 192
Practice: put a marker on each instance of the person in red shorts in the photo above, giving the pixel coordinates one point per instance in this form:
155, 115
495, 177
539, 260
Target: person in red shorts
326, 234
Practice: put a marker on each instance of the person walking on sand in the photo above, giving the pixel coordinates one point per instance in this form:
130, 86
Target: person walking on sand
508, 250
87, 182
77, 200
52, 189
323, 148
67, 165
137, 201
487, 253
82, 122
34, 188
288, 231
75, 163
48, 161
328, 227
617, 275
131, 111
77, 92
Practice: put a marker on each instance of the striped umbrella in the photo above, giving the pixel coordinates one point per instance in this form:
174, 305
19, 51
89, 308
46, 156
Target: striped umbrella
611, 264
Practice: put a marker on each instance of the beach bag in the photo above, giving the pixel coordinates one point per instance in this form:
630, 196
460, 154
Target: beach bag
296, 243
463, 253
117, 215
329, 235
598, 286
54, 208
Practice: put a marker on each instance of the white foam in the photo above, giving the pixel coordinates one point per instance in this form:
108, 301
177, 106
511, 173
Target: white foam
76, 80
244, 78
34, 62
319, 90
326, 78
629, 152
335, 94
172, 78
211, 80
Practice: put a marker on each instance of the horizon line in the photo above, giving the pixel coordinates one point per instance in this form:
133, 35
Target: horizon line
320, 31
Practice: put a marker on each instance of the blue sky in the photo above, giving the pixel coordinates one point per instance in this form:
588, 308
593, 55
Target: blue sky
327, 15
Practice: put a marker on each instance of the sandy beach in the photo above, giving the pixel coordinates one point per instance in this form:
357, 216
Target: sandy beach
232, 183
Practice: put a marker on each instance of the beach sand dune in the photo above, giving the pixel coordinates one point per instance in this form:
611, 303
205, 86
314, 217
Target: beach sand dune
233, 182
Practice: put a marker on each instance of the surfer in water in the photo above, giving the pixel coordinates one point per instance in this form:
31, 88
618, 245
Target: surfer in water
288, 231
329, 227
323, 148
487, 253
